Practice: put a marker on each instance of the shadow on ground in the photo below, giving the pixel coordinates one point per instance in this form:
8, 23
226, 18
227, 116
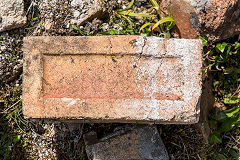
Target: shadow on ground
181, 141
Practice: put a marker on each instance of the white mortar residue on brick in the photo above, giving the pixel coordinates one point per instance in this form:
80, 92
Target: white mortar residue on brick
70, 101
176, 48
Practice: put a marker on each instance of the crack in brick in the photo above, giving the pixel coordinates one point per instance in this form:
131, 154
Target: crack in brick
110, 42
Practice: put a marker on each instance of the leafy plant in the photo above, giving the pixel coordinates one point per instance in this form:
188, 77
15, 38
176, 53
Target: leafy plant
153, 24
124, 13
164, 25
223, 62
223, 121
204, 39
12, 124
78, 29
127, 21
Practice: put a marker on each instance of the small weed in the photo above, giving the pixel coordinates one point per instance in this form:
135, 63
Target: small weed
12, 124
223, 61
78, 30
127, 22
2, 40
151, 24
126, 12
158, 24
33, 7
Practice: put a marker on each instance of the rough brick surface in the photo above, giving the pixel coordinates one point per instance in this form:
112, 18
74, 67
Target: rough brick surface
112, 79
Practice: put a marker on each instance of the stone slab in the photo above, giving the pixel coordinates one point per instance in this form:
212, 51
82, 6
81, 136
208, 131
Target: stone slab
12, 14
137, 142
112, 79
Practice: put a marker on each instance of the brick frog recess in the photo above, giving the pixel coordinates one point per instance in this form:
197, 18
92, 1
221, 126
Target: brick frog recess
112, 79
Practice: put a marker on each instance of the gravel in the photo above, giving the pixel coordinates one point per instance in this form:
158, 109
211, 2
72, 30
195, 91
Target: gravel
51, 139
56, 140
80, 8
48, 139
11, 57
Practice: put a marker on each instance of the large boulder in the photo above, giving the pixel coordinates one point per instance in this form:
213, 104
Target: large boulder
218, 19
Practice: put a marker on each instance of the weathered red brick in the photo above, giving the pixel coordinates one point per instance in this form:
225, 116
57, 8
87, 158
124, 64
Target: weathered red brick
205, 17
112, 78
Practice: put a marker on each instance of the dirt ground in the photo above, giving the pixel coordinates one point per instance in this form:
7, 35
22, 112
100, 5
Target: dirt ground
48, 139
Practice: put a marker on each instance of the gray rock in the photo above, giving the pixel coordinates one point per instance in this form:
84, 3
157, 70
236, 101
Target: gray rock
11, 14
200, 4
76, 13
138, 142
89, 12
76, 3
105, 27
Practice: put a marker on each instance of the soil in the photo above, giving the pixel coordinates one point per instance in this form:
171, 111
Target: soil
47, 139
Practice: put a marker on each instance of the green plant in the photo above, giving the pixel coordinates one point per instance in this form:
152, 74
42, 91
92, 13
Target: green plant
78, 30
125, 19
131, 23
129, 12
12, 124
161, 25
223, 121
33, 7
204, 39
153, 23
222, 60
126, 12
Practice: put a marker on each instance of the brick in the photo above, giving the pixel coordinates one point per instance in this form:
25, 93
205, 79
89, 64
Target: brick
112, 79
128, 142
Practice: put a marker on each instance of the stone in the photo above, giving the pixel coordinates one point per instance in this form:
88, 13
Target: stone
113, 79
76, 13
218, 20
47, 24
77, 3
139, 142
97, 10
12, 14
